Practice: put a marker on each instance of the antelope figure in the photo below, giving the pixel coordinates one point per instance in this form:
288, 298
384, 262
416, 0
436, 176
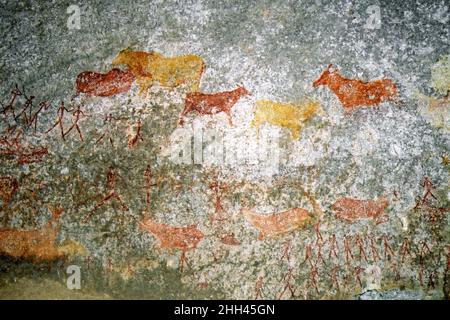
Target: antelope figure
170, 237
212, 103
356, 93
37, 245
152, 67
283, 222
352, 210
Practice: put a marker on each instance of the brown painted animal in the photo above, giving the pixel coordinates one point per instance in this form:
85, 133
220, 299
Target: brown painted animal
356, 93
170, 237
104, 84
212, 103
283, 222
36, 245
8, 188
352, 210
152, 67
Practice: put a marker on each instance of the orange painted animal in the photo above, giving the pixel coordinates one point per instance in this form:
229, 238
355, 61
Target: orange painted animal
230, 240
37, 245
8, 188
151, 68
104, 84
352, 210
283, 222
212, 103
356, 93
170, 237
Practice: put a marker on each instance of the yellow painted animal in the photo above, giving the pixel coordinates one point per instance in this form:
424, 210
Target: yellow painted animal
435, 110
152, 67
440, 75
285, 115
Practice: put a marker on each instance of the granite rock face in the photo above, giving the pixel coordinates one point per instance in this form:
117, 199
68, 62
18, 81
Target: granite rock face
354, 205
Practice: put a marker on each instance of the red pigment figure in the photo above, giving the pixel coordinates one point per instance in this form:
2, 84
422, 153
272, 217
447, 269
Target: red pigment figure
308, 254
431, 283
313, 278
352, 210
374, 249
132, 142
360, 242
104, 84
287, 278
421, 271
287, 246
25, 155
259, 288
112, 193
108, 119
356, 93
148, 185
59, 121
334, 279
28, 106
428, 185
217, 189
31, 155
358, 271
170, 237
347, 249
44, 105
229, 239
212, 103
333, 247
10, 106
76, 114
424, 247
318, 234
405, 249
319, 253
387, 248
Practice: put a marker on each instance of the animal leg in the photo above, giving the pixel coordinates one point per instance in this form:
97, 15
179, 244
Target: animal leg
143, 84
229, 118
182, 114
261, 235
295, 133
183, 259
381, 219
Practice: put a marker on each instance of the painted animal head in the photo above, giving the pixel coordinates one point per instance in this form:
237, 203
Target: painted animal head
241, 91
325, 77
124, 57
56, 214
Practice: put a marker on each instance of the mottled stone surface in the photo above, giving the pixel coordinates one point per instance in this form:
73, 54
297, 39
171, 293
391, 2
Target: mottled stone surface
117, 161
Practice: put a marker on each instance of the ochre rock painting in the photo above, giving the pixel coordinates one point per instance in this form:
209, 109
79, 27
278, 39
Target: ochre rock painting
152, 67
286, 115
212, 103
352, 205
354, 209
357, 93
39, 244
104, 84
170, 237
8, 187
271, 225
